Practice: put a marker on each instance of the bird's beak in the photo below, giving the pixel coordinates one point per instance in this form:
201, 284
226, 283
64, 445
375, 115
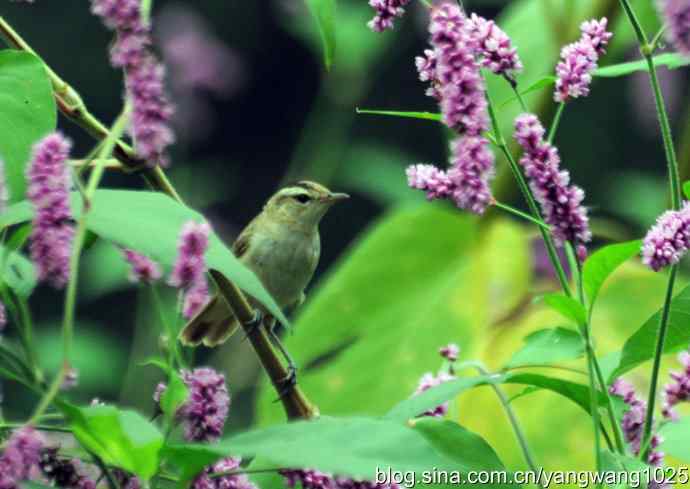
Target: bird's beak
336, 197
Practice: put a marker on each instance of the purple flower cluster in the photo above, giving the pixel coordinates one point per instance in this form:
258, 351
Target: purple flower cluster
126, 480
189, 272
460, 46
634, 419
668, 240
21, 457
579, 60
678, 390
386, 12
228, 481
142, 268
151, 111
428, 381
467, 181
450, 352
314, 479
63, 473
52, 232
207, 406
676, 15
495, 48
561, 203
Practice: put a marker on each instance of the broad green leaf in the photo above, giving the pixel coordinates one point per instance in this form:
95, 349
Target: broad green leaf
435, 396
429, 116
18, 272
27, 113
670, 60
640, 347
568, 307
578, 393
460, 445
324, 15
356, 447
544, 82
603, 263
686, 189
676, 435
549, 346
124, 439
150, 223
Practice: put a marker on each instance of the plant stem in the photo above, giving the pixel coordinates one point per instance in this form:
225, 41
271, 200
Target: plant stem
556, 122
647, 51
173, 353
518, 95
69, 102
512, 418
521, 214
39, 427
527, 193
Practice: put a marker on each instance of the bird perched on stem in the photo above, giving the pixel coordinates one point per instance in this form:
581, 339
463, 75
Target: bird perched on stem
281, 246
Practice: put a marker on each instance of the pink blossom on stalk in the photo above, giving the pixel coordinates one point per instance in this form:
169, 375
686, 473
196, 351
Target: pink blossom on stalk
142, 268
634, 420
495, 47
426, 67
190, 268
21, 457
228, 481
435, 182
48, 191
579, 60
450, 352
428, 381
668, 240
561, 203
678, 390
676, 15
386, 12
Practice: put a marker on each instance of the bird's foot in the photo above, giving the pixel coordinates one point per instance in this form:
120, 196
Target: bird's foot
288, 383
253, 326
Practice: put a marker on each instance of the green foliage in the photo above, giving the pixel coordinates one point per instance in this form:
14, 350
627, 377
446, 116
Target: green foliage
640, 346
568, 307
27, 113
174, 396
120, 438
437, 395
548, 346
542, 83
324, 15
603, 263
17, 272
670, 60
150, 223
686, 189
615, 462
676, 435
429, 116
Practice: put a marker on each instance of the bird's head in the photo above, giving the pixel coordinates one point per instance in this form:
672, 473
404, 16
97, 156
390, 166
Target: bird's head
303, 203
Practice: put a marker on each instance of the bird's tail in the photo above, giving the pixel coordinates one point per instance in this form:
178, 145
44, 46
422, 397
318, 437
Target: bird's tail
212, 326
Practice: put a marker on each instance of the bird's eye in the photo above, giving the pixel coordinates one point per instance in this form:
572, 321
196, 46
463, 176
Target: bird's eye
302, 198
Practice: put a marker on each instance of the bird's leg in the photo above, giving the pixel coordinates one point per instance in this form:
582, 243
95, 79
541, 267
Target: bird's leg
291, 378
251, 327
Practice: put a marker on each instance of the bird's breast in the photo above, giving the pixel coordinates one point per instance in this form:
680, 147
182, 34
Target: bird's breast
284, 260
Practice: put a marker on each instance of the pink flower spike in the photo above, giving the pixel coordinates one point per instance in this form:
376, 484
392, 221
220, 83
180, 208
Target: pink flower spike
495, 47
668, 240
386, 12
142, 268
190, 266
676, 16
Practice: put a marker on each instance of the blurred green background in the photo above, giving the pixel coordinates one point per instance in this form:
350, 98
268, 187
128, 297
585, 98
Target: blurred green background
398, 277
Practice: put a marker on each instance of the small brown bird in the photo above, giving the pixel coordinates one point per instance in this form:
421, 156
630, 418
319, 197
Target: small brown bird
281, 246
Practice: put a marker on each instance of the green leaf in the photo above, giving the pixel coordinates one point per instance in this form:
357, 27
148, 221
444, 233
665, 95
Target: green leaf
549, 346
150, 223
603, 263
568, 307
124, 439
670, 60
640, 347
676, 435
18, 272
356, 447
686, 189
429, 116
324, 15
615, 463
540, 84
174, 396
27, 113
437, 395
460, 445
578, 393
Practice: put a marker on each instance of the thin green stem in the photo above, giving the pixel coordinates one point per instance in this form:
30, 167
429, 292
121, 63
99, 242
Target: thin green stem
518, 95
615, 425
27, 321
521, 214
39, 427
173, 353
556, 122
527, 193
555, 367
647, 51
